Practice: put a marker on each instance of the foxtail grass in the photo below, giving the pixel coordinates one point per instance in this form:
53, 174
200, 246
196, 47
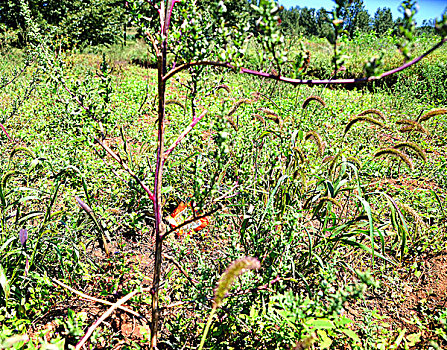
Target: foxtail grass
223, 87
417, 220
363, 118
411, 125
259, 117
373, 111
395, 153
313, 98
432, 113
331, 200
227, 279
314, 136
237, 104
175, 102
413, 146
269, 114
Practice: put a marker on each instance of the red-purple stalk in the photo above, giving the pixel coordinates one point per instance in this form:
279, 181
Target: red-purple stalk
184, 133
303, 81
6, 133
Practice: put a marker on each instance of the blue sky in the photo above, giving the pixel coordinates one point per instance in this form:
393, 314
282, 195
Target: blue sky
427, 8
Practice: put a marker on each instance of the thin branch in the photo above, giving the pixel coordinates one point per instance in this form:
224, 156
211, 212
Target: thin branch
6, 133
125, 167
168, 17
182, 67
180, 268
113, 171
107, 314
191, 221
303, 81
153, 42
88, 297
27, 64
184, 133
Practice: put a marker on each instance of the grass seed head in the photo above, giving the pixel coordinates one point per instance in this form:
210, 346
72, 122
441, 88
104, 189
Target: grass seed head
331, 200
314, 136
259, 117
411, 125
373, 111
420, 152
396, 153
269, 114
433, 113
237, 105
364, 118
418, 222
175, 102
233, 271
224, 87
24, 150
313, 98
300, 154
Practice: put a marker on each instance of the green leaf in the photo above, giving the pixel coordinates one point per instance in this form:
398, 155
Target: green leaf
326, 342
320, 323
351, 334
356, 244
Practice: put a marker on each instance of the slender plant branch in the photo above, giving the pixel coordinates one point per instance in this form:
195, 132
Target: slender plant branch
153, 42
6, 133
125, 167
191, 221
169, 15
192, 64
181, 269
27, 64
113, 171
184, 133
107, 314
303, 81
88, 297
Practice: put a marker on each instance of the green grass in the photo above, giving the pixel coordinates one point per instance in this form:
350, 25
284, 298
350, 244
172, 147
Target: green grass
323, 214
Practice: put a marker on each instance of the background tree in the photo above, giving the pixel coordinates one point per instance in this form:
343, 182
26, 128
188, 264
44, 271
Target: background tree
89, 22
323, 26
383, 20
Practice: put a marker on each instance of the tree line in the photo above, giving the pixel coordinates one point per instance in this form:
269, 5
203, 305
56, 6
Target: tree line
93, 22
312, 22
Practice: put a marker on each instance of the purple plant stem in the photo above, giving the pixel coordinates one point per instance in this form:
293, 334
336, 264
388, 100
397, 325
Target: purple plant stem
303, 81
184, 133
18, 75
6, 133
168, 17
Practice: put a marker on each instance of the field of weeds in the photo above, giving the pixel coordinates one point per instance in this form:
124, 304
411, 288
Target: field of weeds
339, 194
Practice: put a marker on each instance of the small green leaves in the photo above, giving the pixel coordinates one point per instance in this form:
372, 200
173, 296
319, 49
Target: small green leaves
408, 27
